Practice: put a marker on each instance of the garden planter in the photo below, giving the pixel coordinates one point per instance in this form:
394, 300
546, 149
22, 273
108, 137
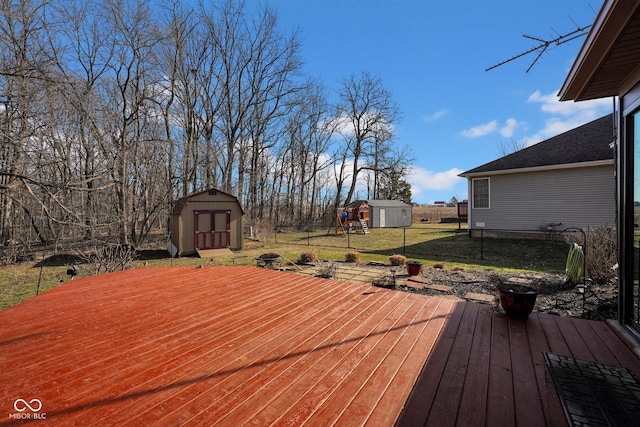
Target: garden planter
414, 267
517, 300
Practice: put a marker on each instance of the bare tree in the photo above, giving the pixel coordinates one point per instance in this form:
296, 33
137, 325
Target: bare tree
26, 60
130, 88
506, 147
368, 114
110, 110
309, 133
84, 63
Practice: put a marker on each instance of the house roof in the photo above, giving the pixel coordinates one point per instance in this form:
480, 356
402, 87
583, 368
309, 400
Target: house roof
607, 64
586, 143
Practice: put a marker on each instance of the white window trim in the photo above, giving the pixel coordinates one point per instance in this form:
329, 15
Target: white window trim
473, 189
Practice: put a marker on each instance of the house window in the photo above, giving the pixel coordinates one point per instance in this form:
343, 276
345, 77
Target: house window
481, 193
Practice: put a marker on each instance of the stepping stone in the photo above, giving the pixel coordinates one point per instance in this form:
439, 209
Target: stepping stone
418, 279
413, 285
479, 297
441, 288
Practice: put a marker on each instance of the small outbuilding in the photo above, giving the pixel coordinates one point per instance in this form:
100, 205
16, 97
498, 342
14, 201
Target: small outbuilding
210, 219
389, 214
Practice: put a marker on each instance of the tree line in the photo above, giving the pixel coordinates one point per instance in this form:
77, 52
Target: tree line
112, 110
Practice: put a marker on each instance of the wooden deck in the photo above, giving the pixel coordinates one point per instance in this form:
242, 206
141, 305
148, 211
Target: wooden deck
242, 345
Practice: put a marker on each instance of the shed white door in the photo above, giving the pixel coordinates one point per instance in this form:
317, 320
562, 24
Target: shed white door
382, 218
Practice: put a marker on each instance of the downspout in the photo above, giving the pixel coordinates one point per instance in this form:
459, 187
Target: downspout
469, 206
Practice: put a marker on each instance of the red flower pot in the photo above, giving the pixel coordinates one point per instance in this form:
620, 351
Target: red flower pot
517, 300
414, 267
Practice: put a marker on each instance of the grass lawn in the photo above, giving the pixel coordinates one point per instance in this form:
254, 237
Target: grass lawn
422, 242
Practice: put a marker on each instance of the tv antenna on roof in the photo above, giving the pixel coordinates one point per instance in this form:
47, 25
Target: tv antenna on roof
545, 44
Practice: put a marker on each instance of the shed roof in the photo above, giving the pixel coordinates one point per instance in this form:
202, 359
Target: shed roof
357, 204
389, 203
586, 143
182, 202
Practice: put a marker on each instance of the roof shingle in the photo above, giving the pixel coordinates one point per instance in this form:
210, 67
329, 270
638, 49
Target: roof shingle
586, 143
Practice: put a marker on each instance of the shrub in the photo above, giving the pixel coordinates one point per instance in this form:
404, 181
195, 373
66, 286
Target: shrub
600, 252
352, 256
328, 271
262, 231
440, 265
308, 257
397, 259
109, 258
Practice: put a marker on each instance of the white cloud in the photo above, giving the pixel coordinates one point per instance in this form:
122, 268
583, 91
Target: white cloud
567, 115
509, 128
423, 180
435, 116
550, 103
480, 130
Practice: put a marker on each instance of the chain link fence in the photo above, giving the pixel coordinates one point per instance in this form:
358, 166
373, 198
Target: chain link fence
522, 249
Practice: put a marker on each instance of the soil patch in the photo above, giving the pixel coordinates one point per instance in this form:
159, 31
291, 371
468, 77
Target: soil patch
596, 302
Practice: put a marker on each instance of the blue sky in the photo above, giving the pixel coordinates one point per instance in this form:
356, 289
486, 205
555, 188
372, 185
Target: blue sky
432, 56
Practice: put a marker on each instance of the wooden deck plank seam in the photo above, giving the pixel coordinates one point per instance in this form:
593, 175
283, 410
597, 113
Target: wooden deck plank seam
133, 349
358, 341
239, 326
404, 381
299, 415
392, 373
284, 356
347, 391
444, 408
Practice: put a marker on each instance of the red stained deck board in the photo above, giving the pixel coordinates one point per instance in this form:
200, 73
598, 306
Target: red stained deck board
419, 405
548, 396
160, 345
527, 400
617, 347
240, 345
246, 344
374, 390
143, 361
473, 404
367, 357
501, 404
444, 410
322, 337
431, 325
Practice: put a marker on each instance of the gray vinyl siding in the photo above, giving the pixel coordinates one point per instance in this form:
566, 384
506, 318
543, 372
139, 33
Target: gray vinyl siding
573, 197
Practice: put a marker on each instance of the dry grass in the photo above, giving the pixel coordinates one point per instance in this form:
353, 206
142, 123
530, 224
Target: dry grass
397, 259
352, 257
429, 243
307, 257
431, 215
